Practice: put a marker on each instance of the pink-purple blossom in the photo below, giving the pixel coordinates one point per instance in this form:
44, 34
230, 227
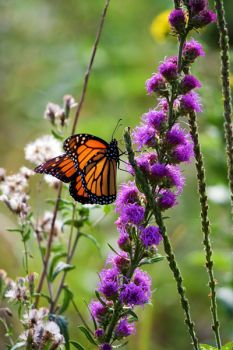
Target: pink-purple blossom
168, 69
144, 135
166, 199
150, 236
177, 20
124, 328
188, 83
155, 84
132, 214
154, 118
192, 50
190, 103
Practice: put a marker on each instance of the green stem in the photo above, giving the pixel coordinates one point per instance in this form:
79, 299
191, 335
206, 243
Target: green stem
226, 89
145, 188
205, 224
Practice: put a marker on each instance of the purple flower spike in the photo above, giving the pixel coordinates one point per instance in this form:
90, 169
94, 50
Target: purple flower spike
144, 135
192, 50
150, 236
197, 6
168, 69
132, 214
175, 177
97, 309
154, 118
190, 103
166, 200
155, 84
188, 83
99, 332
124, 328
175, 136
177, 20
204, 18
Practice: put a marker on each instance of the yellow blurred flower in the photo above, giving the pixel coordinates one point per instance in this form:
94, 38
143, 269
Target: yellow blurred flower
160, 27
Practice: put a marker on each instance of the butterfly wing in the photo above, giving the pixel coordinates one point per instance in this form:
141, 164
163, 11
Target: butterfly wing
81, 148
62, 167
99, 179
77, 191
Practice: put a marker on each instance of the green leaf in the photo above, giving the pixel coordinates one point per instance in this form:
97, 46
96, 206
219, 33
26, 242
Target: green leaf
53, 262
68, 296
120, 345
228, 346
75, 223
77, 345
149, 261
14, 230
87, 334
107, 209
113, 249
134, 317
99, 298
61, 266
56, 135
91, 238
27, 235
18, 345
207, 347
63, 325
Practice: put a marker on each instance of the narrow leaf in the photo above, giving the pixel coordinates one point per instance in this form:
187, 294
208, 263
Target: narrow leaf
87, 334
61, 266
77, 345
53, 262
91, 238
56, 135
207, 347
18, 345
68, 296
228, 346
149, 261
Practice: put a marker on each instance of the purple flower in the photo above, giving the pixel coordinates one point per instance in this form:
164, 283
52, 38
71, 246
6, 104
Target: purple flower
97, 309
177, 20
124, 242
144, 161
143, 280
109, 282
132, 295
184, 152
188, 83
168, 69
190, 103
106, 346
124, 328
192, 50
120, 261
99, 332
166, 200
150, 236
132, 214
158, 170
128, 194
155, 84
144, 135
198, 5
176, 178
175, 136
204, 18
154, 118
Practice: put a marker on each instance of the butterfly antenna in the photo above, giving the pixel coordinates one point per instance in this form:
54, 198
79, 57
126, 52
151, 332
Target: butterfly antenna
117, 126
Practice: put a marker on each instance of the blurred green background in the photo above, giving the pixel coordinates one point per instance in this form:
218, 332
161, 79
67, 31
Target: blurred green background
45, 47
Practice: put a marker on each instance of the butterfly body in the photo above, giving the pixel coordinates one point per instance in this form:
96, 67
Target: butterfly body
90, 165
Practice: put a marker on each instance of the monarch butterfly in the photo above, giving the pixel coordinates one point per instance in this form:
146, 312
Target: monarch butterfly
90, 165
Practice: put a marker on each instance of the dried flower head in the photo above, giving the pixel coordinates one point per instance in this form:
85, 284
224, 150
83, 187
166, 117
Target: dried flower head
42, 149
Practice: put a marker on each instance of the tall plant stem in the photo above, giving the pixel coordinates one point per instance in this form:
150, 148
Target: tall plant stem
87, 74
205, 224
145, 188
80, 104
226, 89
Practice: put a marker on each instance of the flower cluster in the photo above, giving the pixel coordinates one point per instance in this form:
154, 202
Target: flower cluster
13, 191
41, 332
122, 282
195, 15
58, 115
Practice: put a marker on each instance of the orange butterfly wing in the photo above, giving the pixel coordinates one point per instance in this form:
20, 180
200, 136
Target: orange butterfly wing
62, 167
78, 192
